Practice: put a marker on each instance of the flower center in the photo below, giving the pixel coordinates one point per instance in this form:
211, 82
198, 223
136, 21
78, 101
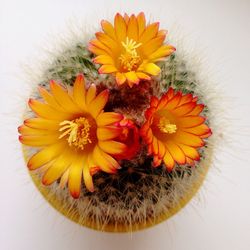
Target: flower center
166, 127
130, 59
78, 132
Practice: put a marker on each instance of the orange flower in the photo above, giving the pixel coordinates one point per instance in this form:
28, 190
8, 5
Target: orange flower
130, 137
75, 137
130, 48
174, 129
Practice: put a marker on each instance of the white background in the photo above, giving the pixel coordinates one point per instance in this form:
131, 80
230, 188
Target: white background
219, 217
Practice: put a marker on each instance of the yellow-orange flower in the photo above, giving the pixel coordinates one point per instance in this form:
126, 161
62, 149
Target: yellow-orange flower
174, 129
130, 48
75, 137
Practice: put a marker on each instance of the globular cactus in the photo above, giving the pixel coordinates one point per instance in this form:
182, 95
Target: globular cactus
143, 192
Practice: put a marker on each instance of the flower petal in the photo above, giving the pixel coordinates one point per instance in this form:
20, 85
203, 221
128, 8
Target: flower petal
38, 140
59, 166
199, 130
141, 23
120, 27
40, 123
132, 77
104, 59
190, 121
108, 28
107, 68
176, 152
91, 93
132, 31
188, 139
169, 161
152, 69
97, 105
45, 155
75, 177
120, 78
63, 98
162, 52
108, 132
79, 92
102, 162
87, 177
149, 33
108, 118
112, 147
190, 152
45, 111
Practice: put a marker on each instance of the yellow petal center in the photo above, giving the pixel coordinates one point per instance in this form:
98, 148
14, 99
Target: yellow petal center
130, 60
166, 127
78, 132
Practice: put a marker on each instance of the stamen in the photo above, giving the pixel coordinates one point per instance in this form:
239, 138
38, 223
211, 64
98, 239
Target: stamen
130, 59
166, 127
78, 132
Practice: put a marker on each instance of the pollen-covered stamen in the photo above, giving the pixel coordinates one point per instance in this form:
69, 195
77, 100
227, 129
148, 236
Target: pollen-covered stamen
166, 127
130, 59
78, 132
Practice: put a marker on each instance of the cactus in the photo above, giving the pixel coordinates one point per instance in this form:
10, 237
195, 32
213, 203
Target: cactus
138, 195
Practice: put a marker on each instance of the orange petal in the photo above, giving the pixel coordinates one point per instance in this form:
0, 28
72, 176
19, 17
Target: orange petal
104, 59
206, 135
63, 98
91, 94
184, 109
169, 161
108, 29
97, 50
108, 132
79, 92
199, 130
197, 110
154, 101
188, 139
38, 140
173, 103
149, 33
88, 178
106, 69
190, 121
102, 162
97, 105
190, 152
186, 98
108, 42
132, 31
25, 130
45, 155
47, 97
57, 169
152, 45
120, 27
40, 123
132, 77
112, 147
75, 177
120, 78
108, 118
141, 23
176, 152
152, 69
162, 149
47, 112
142, 75
64, 179
162, 52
